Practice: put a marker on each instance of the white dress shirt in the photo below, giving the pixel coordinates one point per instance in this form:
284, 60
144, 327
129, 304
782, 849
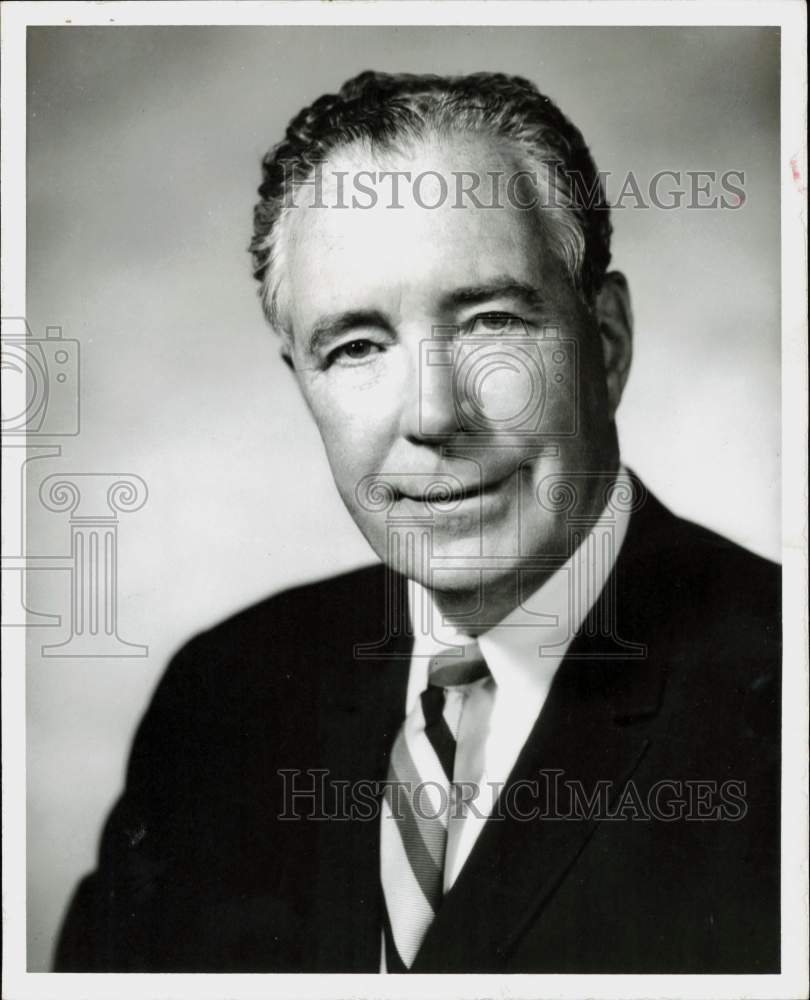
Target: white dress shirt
523, 653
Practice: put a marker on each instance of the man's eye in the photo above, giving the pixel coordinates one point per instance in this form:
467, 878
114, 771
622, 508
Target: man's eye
496, 322
354, 351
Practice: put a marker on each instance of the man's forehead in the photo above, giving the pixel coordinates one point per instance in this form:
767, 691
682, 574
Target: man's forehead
339, 251
387, 237
404, 275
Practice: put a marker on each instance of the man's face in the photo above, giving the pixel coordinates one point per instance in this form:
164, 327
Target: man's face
447, 346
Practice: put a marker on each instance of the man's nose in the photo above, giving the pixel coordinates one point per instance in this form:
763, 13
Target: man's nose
431, 414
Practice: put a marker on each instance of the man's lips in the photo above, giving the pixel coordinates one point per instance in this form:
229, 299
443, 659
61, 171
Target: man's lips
446, 493
441, 492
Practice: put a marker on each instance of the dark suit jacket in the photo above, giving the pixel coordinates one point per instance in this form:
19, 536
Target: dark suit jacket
196, 872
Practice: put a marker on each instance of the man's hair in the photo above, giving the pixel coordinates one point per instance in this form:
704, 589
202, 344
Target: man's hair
380, 109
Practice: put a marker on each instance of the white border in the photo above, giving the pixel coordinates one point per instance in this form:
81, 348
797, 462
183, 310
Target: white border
574, 13
791, 16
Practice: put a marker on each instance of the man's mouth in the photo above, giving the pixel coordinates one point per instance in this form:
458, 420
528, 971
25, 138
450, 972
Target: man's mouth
443, 492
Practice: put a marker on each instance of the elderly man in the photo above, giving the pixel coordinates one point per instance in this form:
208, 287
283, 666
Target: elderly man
543, 734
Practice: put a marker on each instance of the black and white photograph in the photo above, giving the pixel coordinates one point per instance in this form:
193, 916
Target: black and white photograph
404, 499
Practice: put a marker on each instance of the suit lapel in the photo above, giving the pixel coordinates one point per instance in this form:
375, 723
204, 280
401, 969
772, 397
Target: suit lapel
579, 738
359, 719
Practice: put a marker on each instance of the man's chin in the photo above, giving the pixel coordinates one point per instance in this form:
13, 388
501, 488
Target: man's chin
454, 564
458, 560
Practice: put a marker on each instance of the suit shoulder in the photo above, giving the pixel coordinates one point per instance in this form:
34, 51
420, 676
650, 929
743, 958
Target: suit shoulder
724, 569
727, 619
661, 543
314, 605
253, 665
712, 601
260, 640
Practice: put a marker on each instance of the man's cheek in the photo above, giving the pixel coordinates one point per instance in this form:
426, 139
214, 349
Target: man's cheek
355, 452
359, 437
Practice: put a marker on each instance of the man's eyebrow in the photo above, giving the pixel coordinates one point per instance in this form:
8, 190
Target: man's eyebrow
328, 327
498, 288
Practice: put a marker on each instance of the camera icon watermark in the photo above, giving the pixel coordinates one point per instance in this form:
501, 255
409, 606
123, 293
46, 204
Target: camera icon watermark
41, 401
504, 382
40, 381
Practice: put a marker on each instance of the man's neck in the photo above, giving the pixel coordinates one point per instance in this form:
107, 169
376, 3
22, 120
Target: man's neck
477, 610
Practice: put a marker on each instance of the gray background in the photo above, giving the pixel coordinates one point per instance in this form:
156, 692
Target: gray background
143, 158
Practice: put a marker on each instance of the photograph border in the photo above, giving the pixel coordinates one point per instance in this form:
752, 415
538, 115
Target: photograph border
791, 17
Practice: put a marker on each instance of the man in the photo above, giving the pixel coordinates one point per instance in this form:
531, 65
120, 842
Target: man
543, 736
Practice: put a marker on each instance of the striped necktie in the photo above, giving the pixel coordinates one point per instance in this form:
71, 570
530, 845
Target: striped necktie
417, 802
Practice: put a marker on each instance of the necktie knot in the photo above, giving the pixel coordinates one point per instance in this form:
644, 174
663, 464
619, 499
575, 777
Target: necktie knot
453, 670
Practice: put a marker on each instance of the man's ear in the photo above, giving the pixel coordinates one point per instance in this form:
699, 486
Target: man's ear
615, 317
285, 345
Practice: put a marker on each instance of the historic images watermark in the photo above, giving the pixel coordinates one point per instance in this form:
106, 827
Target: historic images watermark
41, 406
311, 795
554, 187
